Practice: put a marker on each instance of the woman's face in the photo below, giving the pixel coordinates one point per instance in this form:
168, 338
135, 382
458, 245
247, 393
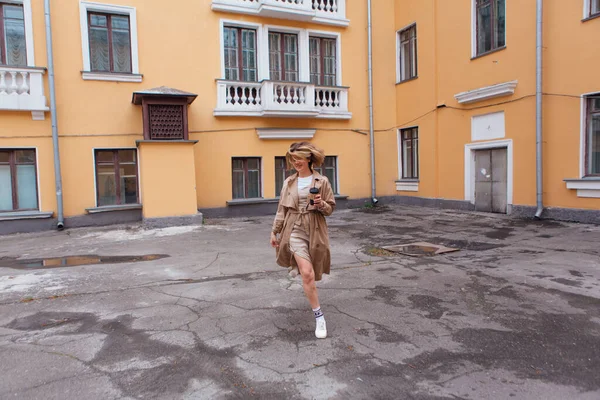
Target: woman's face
300, 164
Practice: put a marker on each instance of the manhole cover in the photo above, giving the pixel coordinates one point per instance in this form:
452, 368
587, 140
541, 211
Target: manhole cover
420, 249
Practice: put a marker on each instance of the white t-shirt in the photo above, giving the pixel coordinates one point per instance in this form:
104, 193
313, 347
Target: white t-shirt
304, 182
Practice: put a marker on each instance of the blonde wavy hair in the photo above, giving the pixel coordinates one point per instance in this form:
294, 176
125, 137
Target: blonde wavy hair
306, 150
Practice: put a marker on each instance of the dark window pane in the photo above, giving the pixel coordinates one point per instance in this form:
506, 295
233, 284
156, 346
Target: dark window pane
26, 187
104, 157
594, 145
121, 47
120, 22
4, 157
253, 163
238, 185
484, 31
99, 49
16, 52
6, 198
107, 186
25, 156
13, 12
98, 20
129, 190
253, 184
127, 156
127, 170
500, 23
238, 163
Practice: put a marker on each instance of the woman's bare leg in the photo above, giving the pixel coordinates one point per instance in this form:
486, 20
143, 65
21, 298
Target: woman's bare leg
308, 281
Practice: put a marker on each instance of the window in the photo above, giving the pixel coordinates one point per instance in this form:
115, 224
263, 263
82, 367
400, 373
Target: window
18, 180
283, 56
323, 63
281, 173
240, 54
594, 7
592, 144
246, 177
490, 25
407, 54
409, 139
13, 49
329, 169
110, 43
116, 177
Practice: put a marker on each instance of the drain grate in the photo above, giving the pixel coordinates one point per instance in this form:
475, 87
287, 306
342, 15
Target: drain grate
420, 249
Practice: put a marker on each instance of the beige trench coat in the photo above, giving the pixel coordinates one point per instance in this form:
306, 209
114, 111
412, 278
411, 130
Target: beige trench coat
288, 213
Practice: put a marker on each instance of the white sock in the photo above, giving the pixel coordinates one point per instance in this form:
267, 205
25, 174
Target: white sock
318, 313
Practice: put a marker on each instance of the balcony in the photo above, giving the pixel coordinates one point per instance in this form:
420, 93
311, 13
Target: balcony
328, 12
22, 89
281, 99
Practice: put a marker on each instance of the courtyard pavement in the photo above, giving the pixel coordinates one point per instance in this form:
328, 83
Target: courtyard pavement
514, 314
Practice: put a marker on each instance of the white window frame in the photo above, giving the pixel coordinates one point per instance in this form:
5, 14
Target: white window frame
398, 51
474, 28
303, 43
28, 21
87, 74
94, 165
584, 131
406, 184
262, 48
261, 75
338, 52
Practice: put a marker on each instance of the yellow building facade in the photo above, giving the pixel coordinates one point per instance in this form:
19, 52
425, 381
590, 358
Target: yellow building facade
165, 111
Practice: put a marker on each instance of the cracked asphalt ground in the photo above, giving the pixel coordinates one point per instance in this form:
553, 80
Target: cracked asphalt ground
515, 314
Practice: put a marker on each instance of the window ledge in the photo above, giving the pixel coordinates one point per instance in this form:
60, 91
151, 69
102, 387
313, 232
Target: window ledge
586, 187
103, 209
488, 53
166, 141
414, 78
9, 216
243, 202
407, 185
591, 17
110, 76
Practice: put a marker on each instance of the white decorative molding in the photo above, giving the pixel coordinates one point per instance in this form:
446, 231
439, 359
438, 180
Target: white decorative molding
407, 186
488, 126
487, 92
586, 187
87, 6
331, 12
470, 167
109, 76
38, 115
286, 133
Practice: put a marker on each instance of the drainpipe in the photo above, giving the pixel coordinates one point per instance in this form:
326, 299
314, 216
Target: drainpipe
371, 128
57, 174
538, 109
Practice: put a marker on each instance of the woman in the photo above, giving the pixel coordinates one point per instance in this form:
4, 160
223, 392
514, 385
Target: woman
300, 219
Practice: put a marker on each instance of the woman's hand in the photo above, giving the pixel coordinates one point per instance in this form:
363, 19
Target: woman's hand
318, 201
274, 241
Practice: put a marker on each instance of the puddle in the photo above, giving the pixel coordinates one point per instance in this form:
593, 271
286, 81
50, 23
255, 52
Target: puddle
74, 261
420, 249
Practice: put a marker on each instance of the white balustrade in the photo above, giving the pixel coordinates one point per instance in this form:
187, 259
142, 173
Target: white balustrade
331, 12
285, 99
22, 89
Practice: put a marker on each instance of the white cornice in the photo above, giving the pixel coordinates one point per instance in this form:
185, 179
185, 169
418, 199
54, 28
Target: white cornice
286, 133
487, 92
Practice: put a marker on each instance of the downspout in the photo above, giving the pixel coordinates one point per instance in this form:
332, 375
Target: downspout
538, 109
371, 128
57, 174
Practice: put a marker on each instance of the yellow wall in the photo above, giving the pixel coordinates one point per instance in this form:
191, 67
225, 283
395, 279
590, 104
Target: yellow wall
168, 179
185, 54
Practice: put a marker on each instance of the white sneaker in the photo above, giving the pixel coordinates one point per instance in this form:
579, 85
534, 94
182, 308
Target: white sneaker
321, 330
